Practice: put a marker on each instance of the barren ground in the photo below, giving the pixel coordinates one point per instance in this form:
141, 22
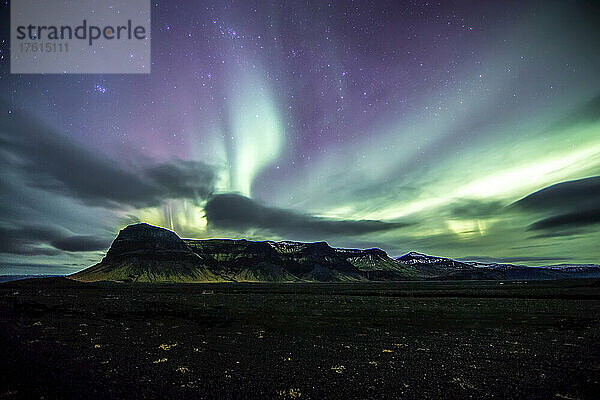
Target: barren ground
65, 339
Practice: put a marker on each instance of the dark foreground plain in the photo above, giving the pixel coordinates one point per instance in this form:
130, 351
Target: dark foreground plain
66, 339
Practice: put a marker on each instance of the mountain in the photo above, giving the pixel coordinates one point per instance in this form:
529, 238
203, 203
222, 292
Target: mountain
441, 268
446, 268
548, 272
146, 253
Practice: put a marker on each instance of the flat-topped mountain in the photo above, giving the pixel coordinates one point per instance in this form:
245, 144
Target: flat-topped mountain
145, 240
146, 253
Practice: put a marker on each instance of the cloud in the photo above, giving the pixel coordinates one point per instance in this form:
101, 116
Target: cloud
567, 206
28, 240
41, 167
472, 209
569, 220
234, 211
560, 233
46, 240
81, 243
27, 249
54, 163
571, 195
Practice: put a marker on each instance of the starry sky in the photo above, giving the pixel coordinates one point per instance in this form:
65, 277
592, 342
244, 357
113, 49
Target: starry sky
467, 129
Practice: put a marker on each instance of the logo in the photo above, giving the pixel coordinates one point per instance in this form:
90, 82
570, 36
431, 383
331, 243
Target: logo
80, 36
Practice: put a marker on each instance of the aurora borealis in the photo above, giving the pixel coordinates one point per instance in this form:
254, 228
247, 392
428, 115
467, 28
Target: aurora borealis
400, 125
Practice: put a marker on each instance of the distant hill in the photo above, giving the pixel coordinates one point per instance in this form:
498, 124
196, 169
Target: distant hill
10, 278
146, 253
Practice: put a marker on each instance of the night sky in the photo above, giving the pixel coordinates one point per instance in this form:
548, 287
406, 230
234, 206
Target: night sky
467, 129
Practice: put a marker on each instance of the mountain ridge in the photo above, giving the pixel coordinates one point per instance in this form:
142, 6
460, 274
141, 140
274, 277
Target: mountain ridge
146, 253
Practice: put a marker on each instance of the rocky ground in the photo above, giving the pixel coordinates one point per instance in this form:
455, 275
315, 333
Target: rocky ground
65, 339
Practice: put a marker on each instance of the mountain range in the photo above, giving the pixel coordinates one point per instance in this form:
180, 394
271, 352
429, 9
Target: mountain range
146, 253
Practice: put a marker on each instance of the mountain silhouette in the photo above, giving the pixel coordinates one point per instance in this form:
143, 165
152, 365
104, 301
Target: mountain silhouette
146, 253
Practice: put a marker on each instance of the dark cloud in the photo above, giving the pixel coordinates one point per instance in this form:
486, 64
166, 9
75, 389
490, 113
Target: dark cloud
233, 211
562, 209
46, 240
570, 195
471, 208
569, 220
560, 233
182, 179
52, 162
27, 248
36, 158
28, 240
33, 232
81, 243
